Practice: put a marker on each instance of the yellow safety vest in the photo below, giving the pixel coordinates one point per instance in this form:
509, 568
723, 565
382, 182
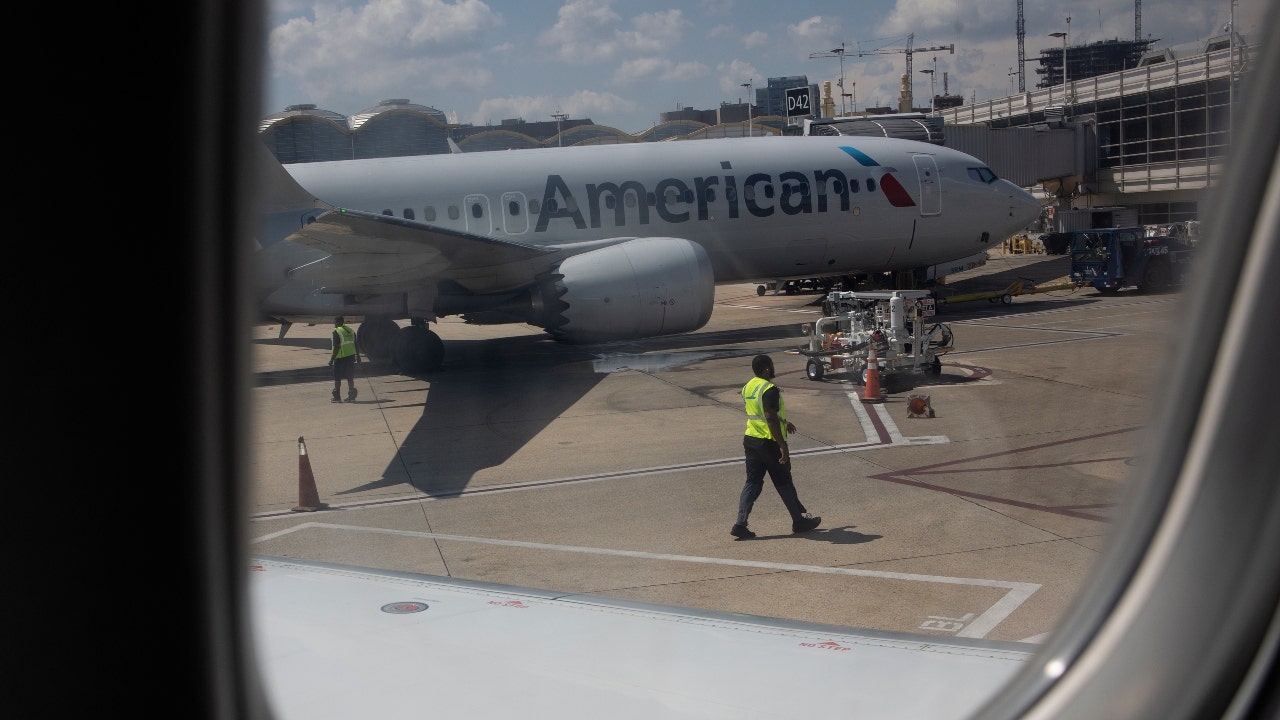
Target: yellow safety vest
347, 347
753, 401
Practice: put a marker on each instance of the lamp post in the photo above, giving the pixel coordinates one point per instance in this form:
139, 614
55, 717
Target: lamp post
1011, 74
933, 91
1065, 37
750, 92
559, 117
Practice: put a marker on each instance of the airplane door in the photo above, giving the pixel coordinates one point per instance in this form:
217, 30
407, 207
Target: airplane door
515, 213
476, 208
930, 187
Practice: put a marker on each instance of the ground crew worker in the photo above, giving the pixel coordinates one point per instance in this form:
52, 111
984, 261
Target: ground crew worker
765, 446
343, 356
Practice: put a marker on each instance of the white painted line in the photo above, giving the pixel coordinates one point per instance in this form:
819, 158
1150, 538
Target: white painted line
1018, 592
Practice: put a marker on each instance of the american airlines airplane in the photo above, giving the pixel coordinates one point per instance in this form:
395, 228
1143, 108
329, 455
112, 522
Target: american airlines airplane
611, 242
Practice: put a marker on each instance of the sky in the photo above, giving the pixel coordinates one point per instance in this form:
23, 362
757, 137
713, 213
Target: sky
621, 64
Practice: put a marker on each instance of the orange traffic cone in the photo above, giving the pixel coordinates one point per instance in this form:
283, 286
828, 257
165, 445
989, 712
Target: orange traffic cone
308, 498
872, 392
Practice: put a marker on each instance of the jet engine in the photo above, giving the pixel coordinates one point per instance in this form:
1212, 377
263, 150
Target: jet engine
636, 289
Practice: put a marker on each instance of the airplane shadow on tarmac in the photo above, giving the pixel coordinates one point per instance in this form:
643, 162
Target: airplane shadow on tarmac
493, 396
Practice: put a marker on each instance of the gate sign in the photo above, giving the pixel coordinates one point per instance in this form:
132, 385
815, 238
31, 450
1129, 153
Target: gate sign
798, 102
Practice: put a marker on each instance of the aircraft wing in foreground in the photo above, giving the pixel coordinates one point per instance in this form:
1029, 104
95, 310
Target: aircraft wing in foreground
609, 242
343, 642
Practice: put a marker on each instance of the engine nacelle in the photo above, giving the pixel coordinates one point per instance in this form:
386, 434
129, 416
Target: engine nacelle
640, 288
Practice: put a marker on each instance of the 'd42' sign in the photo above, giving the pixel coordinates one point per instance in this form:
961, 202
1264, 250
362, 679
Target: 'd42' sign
798, 102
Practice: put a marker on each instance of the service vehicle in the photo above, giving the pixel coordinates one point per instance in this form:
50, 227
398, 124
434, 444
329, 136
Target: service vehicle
889, 328
1113, 258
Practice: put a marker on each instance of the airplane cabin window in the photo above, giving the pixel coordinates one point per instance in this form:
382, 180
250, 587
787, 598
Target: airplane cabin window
1025, 497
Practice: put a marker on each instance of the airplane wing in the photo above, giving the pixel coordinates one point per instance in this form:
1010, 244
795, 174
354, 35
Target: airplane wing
376, 253
340, 642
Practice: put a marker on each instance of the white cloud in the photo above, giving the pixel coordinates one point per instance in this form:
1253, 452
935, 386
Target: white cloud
734, 74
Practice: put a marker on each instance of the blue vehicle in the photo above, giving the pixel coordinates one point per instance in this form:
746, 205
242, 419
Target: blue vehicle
1113, 258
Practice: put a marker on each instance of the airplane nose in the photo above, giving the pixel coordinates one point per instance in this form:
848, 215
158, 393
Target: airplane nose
1023, 206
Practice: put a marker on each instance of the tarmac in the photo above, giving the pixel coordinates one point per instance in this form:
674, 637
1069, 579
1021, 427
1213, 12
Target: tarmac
614, 470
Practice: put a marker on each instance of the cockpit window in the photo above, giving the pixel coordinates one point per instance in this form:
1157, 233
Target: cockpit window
982, 174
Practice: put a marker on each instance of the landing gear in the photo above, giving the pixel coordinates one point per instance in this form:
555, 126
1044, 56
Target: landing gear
418, 350
376, 337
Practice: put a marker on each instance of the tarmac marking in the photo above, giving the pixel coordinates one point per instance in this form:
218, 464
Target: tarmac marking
901, 477
879, 429
1018, 592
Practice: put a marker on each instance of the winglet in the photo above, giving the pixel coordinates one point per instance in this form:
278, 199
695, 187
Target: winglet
453, 146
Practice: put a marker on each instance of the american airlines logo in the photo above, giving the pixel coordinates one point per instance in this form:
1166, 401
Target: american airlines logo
676, 200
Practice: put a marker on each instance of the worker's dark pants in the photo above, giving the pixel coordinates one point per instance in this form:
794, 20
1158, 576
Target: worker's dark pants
762, 457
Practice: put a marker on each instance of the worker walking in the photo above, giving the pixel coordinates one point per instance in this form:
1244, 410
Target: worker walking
343, 356
765, 447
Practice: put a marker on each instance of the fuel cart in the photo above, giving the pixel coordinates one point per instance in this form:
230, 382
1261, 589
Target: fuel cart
892, 326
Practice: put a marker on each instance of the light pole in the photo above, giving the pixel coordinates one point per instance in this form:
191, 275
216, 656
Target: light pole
836, 52
1011, 74
559, 117
750, 92
1065, 37
933, 92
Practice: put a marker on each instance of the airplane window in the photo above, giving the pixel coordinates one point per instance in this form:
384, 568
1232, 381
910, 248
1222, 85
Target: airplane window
492, 444
982, 174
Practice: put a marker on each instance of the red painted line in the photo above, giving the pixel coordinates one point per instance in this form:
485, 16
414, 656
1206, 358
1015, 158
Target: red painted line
900, 477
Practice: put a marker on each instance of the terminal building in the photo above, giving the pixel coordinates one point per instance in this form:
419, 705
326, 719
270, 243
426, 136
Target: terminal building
1133, 146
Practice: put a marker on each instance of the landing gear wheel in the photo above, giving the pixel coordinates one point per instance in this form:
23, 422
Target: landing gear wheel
814, 369
761, 290
376, 337
418, 350
934, 369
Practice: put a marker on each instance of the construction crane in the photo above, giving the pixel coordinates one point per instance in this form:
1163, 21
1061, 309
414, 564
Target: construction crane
906, 100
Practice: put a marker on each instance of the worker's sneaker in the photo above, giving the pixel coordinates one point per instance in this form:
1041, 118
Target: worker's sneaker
351, 395
336, 396
806, 523
741, 532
